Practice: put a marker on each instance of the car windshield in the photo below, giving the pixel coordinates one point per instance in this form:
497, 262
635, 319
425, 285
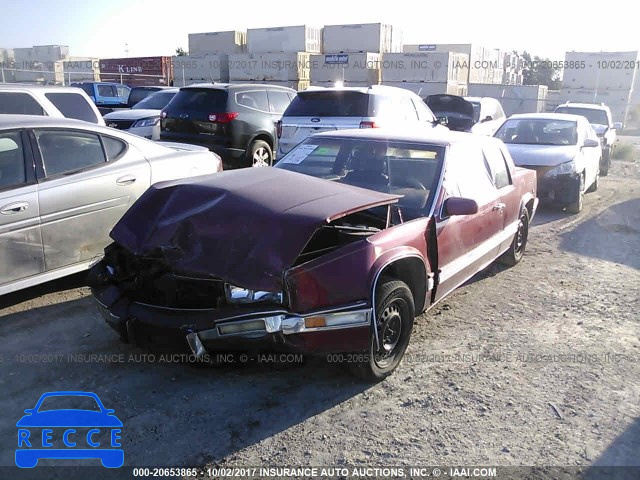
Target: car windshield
156, 101
538, 131
593, 115
69, 402
408, 169
331, 103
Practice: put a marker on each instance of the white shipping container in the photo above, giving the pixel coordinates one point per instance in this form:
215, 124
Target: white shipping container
189, 69
81, 69
208, 43
301, 38
354, 38
602, 70
269, 66
297, 85
425, 67
431, 88
346, 67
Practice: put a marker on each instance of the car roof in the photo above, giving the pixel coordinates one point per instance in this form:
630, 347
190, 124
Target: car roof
437, 136
10, 121
548, 116
592, 106
28, 86
233, 86
373, 89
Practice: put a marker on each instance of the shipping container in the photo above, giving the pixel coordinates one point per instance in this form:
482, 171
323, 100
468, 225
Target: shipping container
361, 38
346, 67
48, 74
137, 71
431, 88
41, 53
269, 66
81, 69
425, 67
211, 43
300, 38
189, 69
601, 70
514, 98
297, 85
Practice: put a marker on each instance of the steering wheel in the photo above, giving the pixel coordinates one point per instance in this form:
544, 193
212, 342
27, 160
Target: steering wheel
412, 182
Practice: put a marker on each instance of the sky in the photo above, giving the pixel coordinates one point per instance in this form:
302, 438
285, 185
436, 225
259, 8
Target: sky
109, 28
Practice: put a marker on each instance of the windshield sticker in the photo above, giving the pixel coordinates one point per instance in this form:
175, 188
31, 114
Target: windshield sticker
298, 155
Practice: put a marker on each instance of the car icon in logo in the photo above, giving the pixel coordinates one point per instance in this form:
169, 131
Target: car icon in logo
87, 431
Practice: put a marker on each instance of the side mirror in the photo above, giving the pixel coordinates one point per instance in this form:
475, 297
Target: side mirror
459, 206
617, 125
590, 142
488, 118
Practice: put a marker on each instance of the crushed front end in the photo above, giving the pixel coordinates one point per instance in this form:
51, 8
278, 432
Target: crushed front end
152, 306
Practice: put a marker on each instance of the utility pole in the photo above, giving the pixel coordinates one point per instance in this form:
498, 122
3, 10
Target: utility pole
126, 49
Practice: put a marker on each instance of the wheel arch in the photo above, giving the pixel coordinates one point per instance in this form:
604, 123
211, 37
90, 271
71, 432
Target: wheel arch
410, 269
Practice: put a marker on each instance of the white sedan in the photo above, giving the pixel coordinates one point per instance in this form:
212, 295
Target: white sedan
563, 149
65, 183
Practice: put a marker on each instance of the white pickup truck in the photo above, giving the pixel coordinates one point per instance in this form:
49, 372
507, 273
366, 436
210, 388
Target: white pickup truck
599, 116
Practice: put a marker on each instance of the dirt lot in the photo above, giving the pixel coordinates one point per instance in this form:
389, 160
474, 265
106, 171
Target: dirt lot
536, 365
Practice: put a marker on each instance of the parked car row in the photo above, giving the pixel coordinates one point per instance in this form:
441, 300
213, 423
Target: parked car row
375, 210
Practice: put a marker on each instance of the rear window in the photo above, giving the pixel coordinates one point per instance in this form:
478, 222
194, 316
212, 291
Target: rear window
138, 94
87, 87
157, 101
200, 100
19, 103
593, 115
329, 104
72, 105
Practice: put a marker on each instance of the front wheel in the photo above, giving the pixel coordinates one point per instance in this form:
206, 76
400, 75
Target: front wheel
516, 250
260, 154
576, 205
395, 312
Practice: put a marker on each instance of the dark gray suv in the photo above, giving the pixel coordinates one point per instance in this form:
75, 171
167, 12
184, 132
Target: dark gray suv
236, 121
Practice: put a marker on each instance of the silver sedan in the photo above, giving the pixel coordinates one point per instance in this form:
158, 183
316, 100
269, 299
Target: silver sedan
65, 183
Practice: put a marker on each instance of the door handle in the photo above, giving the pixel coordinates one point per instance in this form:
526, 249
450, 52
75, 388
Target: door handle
14, 208
499, 206
126, 180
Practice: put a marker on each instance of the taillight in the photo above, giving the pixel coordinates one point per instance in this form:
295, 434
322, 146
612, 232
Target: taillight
279, 128
225, 117
368, 125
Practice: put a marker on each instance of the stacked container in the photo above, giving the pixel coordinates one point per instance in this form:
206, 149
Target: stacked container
448, 70
190, 69
81, 69
513, 98
279, 56
227, 43
351, 69
361, 38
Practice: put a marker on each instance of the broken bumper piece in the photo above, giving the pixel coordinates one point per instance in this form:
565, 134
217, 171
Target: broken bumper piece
208, 330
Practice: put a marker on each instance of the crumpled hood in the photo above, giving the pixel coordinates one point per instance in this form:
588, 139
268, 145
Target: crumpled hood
246, 227
541, 155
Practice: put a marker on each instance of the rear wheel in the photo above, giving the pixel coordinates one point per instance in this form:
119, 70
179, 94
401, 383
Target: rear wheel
516, 250
395, 312
605, 163
576, 205
260, 154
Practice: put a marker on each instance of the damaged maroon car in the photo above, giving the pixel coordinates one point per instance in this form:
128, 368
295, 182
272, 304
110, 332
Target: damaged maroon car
334, 250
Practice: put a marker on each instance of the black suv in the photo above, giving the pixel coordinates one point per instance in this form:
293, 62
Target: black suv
236, 121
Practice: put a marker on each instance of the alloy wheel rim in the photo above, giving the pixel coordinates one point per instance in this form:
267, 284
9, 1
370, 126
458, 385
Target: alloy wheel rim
261, 157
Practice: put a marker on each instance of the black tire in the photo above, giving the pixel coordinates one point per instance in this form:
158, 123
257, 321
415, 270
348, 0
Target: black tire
606, 162
260, 154
576, 206
395, 312
519, 244
596, 183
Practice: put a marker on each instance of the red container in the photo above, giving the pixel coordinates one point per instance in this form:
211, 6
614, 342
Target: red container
137, 71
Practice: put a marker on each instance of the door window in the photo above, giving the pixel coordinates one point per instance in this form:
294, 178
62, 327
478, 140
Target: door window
72, 105
65, 152
256, 99
19, 103
12, 167
107, 91
468, 169
278, 101
497, 166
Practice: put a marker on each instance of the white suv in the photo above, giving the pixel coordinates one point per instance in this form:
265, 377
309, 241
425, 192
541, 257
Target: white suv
599, 116
319, 109
50, 101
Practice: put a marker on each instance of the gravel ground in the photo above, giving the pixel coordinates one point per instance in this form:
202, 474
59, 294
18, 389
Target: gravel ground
535, 365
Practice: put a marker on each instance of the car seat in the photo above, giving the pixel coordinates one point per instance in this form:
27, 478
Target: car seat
369, 167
